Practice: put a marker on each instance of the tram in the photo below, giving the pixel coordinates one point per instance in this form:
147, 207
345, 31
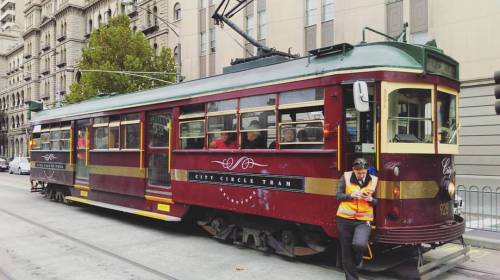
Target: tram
255, 155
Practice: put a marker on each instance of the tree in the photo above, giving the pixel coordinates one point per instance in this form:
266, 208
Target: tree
115, 47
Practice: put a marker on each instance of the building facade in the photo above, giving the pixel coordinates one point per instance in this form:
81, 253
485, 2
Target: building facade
56, 30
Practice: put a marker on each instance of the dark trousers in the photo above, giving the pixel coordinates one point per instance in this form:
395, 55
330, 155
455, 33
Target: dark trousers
353, 236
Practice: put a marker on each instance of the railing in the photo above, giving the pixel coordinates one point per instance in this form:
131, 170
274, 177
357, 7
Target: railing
479, 206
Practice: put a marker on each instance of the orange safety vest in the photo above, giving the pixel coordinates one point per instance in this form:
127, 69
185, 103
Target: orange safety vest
357, 209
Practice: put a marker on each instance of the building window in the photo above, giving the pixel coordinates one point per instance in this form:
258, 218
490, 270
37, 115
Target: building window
311, 12
203, 43
262, 29
177, 11
249, 25
212, 40
328, 10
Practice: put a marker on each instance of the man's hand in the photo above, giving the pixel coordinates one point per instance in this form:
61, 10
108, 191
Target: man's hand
366, 197
357, 195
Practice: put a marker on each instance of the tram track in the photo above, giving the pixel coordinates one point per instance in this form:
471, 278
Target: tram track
81, 242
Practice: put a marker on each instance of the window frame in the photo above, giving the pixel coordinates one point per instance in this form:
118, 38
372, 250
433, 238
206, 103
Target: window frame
387, 88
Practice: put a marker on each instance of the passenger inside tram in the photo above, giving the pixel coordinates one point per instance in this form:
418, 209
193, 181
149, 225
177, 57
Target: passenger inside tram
254, 138
225, 141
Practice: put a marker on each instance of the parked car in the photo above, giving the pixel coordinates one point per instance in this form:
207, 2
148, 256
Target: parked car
19, 165
4, 164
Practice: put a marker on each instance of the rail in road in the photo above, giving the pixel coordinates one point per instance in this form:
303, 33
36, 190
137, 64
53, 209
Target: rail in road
318, 267
88, 245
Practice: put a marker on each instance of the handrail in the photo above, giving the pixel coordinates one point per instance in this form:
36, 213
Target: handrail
339, 162
169, 147
141, 148
70, 146
86, 146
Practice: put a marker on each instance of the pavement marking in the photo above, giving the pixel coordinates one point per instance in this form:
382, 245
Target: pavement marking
101, 250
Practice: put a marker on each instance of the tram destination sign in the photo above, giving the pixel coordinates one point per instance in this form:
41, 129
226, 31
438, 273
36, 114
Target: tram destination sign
50, 165
287, 183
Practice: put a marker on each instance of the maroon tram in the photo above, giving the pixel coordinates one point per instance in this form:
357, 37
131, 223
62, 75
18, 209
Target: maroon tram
255, 155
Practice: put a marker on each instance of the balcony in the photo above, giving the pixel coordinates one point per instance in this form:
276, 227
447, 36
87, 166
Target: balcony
8, 15
150, 28
132, 11
7, 4
45, 71
61, 37
61, 62
62, 90
27, 76
45, 46
27, 55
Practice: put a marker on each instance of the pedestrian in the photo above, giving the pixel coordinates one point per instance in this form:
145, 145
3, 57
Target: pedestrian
355, 192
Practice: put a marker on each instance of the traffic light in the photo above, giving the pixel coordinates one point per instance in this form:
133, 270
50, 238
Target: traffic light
497, 92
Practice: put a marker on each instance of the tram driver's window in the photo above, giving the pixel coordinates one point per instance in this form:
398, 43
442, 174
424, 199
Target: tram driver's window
258, 122
222, 122
301, 119
192, 126
410, 116
130, 131
447, 118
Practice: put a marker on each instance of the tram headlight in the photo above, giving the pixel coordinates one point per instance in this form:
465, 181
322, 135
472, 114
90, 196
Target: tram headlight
447, 189
396, 170
451, 189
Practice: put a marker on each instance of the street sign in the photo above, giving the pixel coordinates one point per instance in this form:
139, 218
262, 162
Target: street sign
497, 91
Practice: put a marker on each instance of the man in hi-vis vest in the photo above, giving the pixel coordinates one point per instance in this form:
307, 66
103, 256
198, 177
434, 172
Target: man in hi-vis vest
355, 192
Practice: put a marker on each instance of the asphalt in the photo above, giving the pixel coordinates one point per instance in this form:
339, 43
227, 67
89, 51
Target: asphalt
482, 239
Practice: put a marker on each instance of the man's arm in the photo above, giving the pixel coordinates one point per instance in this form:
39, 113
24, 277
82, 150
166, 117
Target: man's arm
341, 195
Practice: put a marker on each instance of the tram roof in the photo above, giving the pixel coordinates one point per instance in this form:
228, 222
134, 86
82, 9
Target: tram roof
366, 56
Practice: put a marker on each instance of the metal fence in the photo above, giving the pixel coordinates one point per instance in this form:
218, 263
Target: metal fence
479, 206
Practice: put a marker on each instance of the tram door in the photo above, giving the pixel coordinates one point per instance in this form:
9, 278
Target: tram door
82, 154
360, 128
158, 152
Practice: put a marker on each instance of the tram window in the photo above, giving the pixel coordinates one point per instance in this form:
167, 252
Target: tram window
258, 101
45, 140
224, 105
65, 138
301, 96
301, 128
258, 130
192, 134
158, 129
101, 137
158, 163
101, 120
410, 116
130, 131
447, 118
35, 141
55, 138
192, 109
222, 132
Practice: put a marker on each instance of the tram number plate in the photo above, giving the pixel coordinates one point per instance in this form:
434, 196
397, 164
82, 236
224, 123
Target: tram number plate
444, 209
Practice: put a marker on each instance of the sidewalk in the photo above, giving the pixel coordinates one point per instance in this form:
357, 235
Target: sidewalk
482, 239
